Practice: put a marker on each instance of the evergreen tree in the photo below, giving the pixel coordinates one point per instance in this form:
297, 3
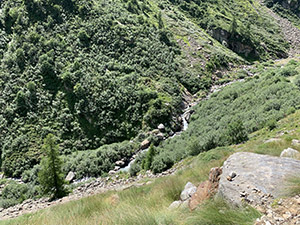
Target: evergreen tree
50, 176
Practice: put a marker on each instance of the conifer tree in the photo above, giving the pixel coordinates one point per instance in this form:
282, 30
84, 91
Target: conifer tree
50, 175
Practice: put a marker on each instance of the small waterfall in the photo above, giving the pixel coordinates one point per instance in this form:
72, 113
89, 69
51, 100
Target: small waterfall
127, 168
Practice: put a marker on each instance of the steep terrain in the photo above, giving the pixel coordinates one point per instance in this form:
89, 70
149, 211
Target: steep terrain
113, 78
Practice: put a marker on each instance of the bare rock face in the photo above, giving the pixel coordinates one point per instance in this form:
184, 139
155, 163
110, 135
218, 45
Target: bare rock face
255, 178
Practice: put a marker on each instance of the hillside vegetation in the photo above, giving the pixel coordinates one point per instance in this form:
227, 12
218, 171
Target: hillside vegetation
149, 204
101, 75
233, 113
97, 72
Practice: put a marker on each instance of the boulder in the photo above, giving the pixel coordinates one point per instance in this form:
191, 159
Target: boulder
120, 163
160, 136
188, 191
175, 205
206, 189
145, 144
257, 177
295, 142
290, 153
70, 177
161, 127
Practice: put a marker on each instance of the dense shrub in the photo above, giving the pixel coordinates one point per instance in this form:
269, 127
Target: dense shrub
13, 194
230, 115
98, 162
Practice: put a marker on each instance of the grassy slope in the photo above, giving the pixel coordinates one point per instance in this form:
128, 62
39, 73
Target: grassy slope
148, 204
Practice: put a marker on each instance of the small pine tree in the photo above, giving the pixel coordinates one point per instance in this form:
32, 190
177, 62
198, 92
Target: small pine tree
50, 175
149, 157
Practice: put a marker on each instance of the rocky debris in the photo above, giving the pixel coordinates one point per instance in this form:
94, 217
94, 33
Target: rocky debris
145, 144
206, 189
70, 177
290, 32
295, 142
272, 140
160, 136
280, 212
259, 178
161, 127
188, 191
91, 187
290, 153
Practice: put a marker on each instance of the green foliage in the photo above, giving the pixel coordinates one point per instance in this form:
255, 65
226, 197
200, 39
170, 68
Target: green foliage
236, 133
98, 162
13, 194
149, 158
50, 176
254, 102
271, 124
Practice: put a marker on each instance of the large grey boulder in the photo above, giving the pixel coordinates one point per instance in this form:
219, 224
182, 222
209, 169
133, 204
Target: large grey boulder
253, 178
188, 191
290, 153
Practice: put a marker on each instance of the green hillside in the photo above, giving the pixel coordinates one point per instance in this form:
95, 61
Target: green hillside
101, 76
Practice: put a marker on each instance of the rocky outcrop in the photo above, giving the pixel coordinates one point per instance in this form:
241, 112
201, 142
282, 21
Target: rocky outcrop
192, 196
255, 179
234, 42
206, 189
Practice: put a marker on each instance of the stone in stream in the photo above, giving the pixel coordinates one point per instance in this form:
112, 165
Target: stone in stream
70, 177
258, 177
161, 127
145, 144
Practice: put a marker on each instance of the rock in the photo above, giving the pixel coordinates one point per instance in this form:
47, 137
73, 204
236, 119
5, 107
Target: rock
266, 173
175, 205
1, 176
188, 191
117, 168
160, 136
272, 140
161, 127
290, 153
111, 172
145, 144
70, 177
206, 188
295, 142
120, 163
